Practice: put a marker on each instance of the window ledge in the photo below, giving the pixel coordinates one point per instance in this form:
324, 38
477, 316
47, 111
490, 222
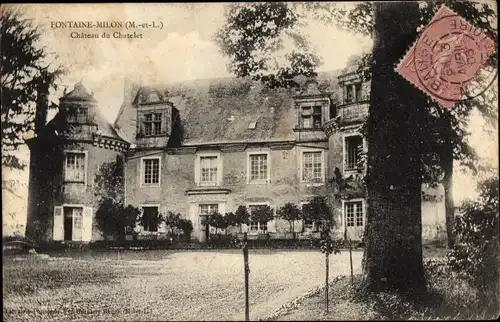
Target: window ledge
207, 191
313, 184
74, 181
263, 182
147, 185
208, 184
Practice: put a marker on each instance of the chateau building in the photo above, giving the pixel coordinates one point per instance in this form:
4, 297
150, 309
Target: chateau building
211, 145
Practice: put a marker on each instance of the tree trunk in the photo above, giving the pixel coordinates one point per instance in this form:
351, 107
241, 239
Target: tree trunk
393, 235
447, 166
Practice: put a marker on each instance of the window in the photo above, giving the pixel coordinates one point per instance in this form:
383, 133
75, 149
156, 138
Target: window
311, 117
209, 209
151, 171
152, 124
75, 167
79, 115
349, 94
254, 224
149, 219
209, 170
312, 166
258, 168
354, 214
353, 93
354, 145
357, 88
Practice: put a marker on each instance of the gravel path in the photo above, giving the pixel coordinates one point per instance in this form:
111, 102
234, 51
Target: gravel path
183, 286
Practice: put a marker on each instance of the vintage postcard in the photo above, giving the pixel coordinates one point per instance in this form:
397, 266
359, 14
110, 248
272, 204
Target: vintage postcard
250, 161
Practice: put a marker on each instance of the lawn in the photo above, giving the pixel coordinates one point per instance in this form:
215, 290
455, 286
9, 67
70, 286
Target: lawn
160, 285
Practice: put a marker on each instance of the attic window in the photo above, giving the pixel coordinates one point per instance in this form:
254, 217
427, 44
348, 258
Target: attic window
311, 117
252, 125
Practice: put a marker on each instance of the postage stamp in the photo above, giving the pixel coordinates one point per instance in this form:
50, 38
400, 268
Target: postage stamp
447, 61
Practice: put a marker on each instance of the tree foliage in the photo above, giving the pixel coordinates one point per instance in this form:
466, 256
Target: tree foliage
289, 212
109, 181
178, 224
263, 214
26, 72
478, 253
218, 221
242, 216
114, 219
319, 212
253, 37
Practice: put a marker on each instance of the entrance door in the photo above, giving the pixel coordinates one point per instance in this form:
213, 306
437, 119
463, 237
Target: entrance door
203, 214
68, 223
354, 220
73, 223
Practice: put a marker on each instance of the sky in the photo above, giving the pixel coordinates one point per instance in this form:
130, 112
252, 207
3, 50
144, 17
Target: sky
182, 50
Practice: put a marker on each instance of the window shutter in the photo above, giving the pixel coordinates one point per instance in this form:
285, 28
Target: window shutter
163, 227
58, 229
87, 224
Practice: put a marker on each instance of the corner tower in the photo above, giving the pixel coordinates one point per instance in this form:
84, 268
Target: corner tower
71, 151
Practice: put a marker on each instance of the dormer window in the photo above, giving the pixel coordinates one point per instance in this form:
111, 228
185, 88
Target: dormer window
311, 117
152, 124
353, 93
78, 115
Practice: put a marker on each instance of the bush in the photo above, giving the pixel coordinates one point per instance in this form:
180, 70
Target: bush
476, 256
115, 219
179, 226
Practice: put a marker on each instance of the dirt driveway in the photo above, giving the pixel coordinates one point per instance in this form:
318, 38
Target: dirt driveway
163, 285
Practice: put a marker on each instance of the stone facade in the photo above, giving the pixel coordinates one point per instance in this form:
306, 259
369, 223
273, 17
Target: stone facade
208, 145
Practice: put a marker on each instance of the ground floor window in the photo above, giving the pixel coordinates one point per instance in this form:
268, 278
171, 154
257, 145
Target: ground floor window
256, 225
150, 216
354, 213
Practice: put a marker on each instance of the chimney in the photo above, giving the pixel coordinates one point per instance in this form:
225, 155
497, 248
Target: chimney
130, 88
42, 107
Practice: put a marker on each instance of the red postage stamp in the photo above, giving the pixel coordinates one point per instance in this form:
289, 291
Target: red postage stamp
447, 58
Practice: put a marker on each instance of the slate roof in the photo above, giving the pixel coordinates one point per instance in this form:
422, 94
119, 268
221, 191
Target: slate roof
221, 110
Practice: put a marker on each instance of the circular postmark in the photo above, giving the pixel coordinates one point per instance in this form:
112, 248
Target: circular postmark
450, 59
